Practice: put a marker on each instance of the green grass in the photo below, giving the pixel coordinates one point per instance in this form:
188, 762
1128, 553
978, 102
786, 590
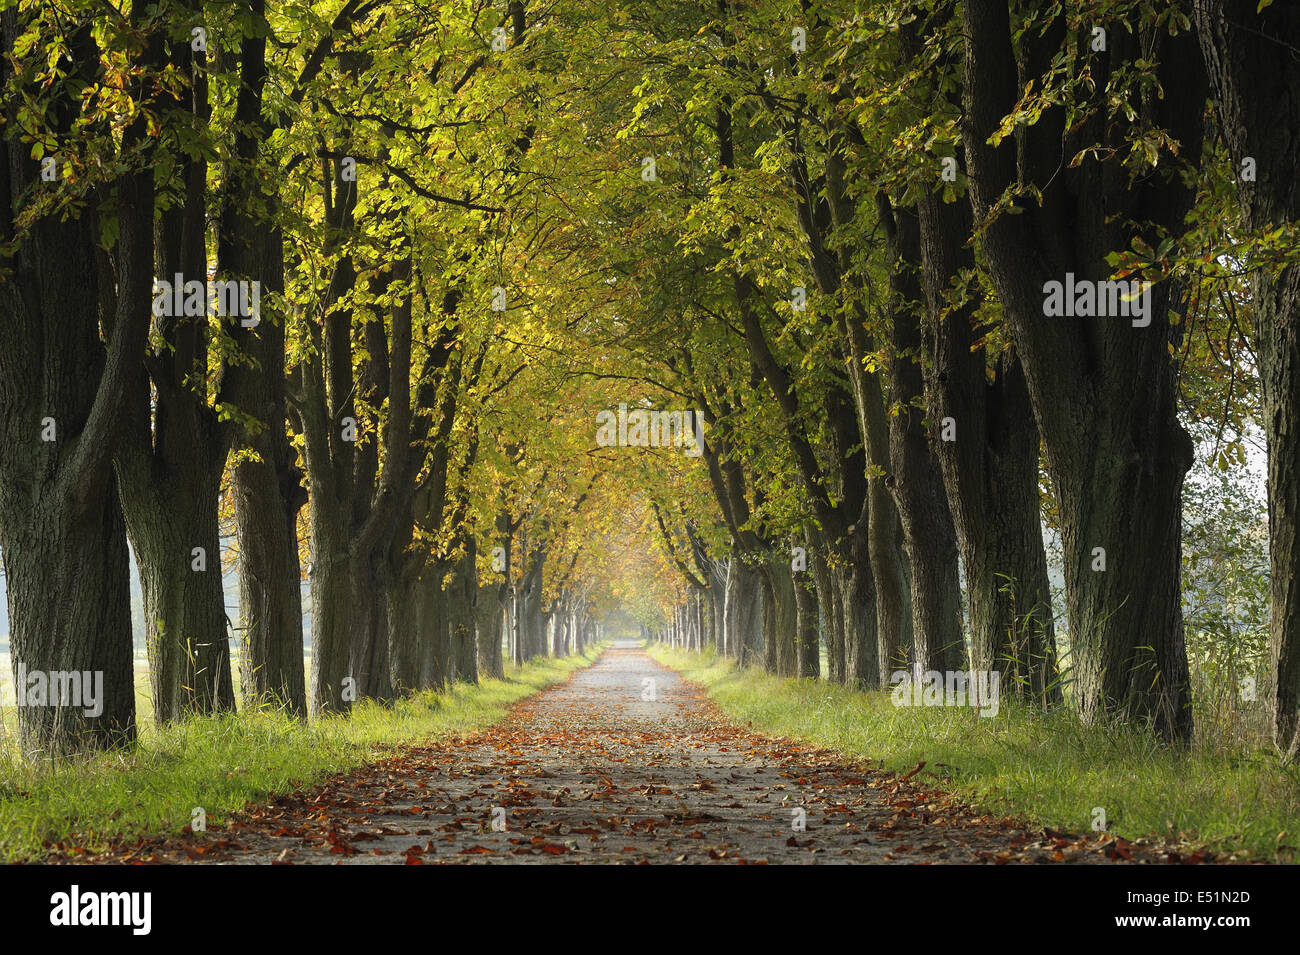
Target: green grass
1046, 768
221, 763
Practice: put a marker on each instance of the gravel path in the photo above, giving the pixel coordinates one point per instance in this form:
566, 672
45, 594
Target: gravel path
623, 763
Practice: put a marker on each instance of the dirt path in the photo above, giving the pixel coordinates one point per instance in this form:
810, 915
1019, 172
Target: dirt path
623, 763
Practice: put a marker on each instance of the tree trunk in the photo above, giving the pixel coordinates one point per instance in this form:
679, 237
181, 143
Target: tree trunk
436, 668
169, 460
889, 591
178, 551
70, 611
401, 624
369, 639
532, 624
268, 495
1103, 390
489, 617
1254, 75
861, 646
63, 390
1006, 566
266, 484
831, 606
807, 649
780, 621
515, 623
460, 596
915, 479
402, 607
564, 638
768, 596
988, 451
730, 598
744, 611
718, 604
331, 595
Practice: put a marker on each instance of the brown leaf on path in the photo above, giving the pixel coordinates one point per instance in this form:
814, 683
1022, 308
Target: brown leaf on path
1118, 849
646, 782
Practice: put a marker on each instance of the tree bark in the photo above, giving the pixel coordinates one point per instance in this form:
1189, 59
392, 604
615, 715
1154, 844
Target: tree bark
831, 606
489, 613
856, 585
368, 629
779, 597
184, 604
61, 529
1254, 75
718, 603
1103, 392
988, 450
266, 485
532, 622
172, 453
461, 593
915, 479
744, 612
402, 626
807, 660
436, 668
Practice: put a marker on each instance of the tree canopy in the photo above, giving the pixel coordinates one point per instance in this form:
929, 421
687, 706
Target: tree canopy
851, 338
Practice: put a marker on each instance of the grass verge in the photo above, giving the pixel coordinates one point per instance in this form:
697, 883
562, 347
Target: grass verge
220, 763
1046, 768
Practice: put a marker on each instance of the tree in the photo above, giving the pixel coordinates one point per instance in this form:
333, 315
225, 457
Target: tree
1250, 58
1102, 389
75, 288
